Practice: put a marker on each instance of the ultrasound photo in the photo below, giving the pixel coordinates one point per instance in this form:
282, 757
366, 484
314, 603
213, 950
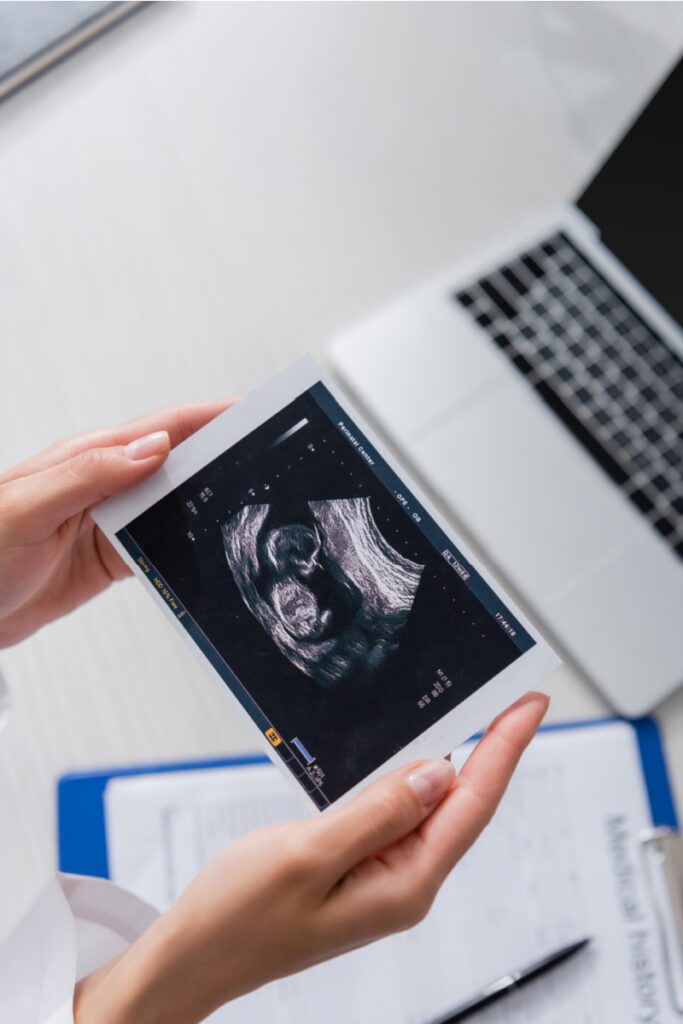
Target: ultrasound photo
331, 592
318, 596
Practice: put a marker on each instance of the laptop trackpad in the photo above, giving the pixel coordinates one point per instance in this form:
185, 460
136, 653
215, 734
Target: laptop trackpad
543, 512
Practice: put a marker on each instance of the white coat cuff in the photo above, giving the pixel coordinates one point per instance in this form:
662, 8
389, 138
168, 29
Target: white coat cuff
76, 925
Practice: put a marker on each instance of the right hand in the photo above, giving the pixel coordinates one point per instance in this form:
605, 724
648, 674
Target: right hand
284, 898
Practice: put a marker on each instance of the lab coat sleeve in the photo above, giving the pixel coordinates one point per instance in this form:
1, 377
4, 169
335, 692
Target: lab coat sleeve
76, 925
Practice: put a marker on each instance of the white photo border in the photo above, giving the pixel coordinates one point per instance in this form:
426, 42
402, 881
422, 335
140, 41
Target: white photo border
232, 426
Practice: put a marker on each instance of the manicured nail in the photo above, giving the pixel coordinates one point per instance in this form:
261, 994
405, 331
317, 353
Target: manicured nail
431, 781
541, 700
530, 702
152, 444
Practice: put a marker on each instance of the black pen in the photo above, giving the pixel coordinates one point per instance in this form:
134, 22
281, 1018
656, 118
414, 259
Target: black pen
511, 982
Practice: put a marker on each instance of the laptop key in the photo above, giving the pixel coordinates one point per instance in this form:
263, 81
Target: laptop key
598, 365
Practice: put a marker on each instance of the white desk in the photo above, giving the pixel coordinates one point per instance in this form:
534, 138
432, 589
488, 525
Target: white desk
205, 194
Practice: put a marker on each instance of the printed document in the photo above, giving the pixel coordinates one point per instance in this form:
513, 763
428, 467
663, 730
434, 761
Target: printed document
560, 861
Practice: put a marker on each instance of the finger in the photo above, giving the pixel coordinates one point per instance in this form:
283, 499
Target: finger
385, 812
34, 506
455, 825
179, 423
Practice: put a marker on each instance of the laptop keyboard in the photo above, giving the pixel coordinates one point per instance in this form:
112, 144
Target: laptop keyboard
611, 379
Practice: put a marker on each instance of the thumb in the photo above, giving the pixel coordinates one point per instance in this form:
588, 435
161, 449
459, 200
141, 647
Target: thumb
385, 812
47, 499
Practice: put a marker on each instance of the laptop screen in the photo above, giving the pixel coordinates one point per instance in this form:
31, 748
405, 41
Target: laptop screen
636, 199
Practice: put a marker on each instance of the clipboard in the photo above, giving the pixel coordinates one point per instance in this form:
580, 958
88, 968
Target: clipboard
83, 841
81, 823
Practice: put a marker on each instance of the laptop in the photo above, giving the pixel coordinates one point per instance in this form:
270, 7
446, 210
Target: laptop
537, 389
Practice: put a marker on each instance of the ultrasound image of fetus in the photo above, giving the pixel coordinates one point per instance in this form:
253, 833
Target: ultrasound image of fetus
331, 592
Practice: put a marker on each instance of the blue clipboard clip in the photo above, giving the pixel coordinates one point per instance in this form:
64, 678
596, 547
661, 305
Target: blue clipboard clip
662, 848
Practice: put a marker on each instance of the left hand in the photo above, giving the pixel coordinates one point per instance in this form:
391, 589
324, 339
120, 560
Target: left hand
52, 556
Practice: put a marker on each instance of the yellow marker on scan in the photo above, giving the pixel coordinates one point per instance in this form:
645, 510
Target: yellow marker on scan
273, 737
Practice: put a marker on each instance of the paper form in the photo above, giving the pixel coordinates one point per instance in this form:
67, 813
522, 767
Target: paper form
561, 860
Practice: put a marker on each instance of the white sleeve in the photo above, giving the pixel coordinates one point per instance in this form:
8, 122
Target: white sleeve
76, 925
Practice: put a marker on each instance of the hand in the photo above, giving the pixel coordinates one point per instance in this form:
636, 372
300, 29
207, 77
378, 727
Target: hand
285, 898
52, 556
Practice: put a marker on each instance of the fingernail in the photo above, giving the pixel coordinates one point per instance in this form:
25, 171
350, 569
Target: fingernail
541, 700
431, 781
152, 444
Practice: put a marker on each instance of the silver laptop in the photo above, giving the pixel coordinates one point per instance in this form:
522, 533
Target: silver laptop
538, 390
